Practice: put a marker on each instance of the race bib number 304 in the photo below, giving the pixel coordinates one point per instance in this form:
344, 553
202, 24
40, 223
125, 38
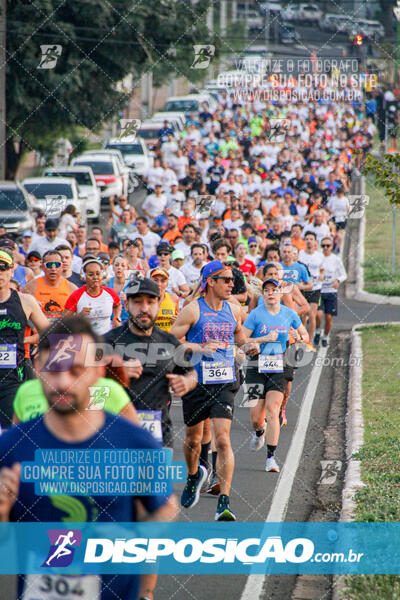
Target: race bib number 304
62, 587
216, 372
151, 421
270, 363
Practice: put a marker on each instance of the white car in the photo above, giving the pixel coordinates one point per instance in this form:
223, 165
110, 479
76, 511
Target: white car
134, 151
192, 103
52, 195
310, 13
176, 117
292, 13
124, 170
86, 183
107, 173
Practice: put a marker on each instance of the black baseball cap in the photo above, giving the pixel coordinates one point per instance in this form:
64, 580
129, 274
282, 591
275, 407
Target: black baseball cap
51, 224
143, 286
273, 281
164, 247
7, 243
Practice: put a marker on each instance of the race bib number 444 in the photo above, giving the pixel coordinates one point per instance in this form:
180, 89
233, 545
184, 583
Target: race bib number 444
270, 363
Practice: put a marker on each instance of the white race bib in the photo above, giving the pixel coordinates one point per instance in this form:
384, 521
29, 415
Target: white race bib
270, 363
151, 421
8, 356
62, 587
216, 372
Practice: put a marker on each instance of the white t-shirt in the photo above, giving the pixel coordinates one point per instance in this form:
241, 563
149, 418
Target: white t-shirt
320, 231
229, 224
150, 241
176, 279
191, 273
154, 175
184, 248
340, 207
334, 269
154, 205
101, 306
179, 164
314, 263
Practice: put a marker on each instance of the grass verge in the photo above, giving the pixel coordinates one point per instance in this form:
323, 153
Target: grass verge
378, 278
380, 455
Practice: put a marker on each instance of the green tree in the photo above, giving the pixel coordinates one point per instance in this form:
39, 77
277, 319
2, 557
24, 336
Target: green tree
386, 172
101, 42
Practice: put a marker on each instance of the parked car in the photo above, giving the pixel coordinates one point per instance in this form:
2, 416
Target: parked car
135, 152
86, 183
310, 13
292, 12
176, 117
106, 171
190, 103
288, 34
16, 208
46, 192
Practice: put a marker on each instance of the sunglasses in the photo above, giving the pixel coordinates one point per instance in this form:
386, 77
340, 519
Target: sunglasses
164, 253
226, 279
5, 267
33, 259
252, 245
105, 261
326, 245
53, 264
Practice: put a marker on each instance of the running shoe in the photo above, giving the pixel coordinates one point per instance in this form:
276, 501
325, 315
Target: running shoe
324, 342
191, 491
282, 417
206, 484
272, 465
215, 486
257, 442
317, 337
310, 348
224, 512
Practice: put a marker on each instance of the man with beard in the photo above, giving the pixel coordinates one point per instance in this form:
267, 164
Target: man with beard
154, 358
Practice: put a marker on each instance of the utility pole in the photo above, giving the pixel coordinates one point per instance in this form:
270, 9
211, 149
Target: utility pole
3, 61
222, 9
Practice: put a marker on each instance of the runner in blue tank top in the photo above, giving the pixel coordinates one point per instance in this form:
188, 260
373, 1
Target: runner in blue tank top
211, 326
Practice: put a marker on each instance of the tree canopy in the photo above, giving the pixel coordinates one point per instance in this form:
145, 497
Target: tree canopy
101, 42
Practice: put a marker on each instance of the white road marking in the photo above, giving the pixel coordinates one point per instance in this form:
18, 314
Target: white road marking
255, 583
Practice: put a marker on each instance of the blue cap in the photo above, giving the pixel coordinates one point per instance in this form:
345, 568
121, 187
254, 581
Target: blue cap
153, 261
274, 282
212, 268
252, 239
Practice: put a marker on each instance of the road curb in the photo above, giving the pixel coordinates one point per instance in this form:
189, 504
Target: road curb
356, 249
354, 441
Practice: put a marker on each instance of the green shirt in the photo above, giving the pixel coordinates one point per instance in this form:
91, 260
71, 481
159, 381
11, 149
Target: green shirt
30, 402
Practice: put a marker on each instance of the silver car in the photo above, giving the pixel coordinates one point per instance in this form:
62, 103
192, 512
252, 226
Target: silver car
16, 210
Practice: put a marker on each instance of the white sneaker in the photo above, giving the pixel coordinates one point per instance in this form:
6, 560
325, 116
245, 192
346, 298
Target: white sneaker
272, 465
256, 442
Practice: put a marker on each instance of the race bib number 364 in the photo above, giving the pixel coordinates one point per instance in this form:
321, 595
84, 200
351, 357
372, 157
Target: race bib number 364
216, 372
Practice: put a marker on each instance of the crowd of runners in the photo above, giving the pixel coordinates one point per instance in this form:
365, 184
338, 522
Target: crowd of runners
231, 263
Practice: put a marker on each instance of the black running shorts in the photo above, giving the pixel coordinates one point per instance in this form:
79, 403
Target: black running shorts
214, 401
265, 382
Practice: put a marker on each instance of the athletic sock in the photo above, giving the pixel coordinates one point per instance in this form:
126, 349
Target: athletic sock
271, 450
259, 432
204, 455
214, 461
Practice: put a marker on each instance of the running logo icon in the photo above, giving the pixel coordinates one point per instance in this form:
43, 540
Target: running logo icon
203, 55
62, 547
62, 352
129, 127
98, 397
357, 202
277, 129
50, 55
55, 205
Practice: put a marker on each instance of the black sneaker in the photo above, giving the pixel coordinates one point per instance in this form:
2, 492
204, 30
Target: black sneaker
191, 491
317, 337
324, 342
224, 512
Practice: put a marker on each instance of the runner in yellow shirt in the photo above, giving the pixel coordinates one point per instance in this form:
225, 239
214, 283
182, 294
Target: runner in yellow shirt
169, 305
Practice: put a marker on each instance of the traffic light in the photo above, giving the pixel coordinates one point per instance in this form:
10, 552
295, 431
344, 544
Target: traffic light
358, 40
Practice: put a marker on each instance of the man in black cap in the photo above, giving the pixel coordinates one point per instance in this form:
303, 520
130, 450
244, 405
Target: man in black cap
155, 359
50, 241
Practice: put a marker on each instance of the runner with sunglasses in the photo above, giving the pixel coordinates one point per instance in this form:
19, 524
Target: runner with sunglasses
53, 289
95, 301
211, 325
335, 274
268, 326
15, 311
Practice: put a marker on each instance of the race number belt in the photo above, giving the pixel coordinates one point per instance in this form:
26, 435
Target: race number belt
270, 363
151, 421
62, 587
8, 356
216, 372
